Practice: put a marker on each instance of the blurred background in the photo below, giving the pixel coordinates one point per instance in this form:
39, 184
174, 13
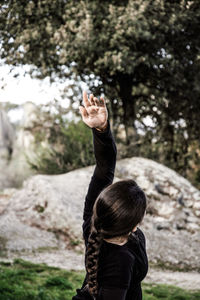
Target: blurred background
144, 58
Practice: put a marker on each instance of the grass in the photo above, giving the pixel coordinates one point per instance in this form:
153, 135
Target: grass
167, 292
75, 242
24, 280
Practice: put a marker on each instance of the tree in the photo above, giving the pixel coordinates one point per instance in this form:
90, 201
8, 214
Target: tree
59, 145
143, 55
135, 48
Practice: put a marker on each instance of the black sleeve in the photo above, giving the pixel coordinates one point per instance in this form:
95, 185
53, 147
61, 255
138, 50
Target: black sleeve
105, 152
114, 293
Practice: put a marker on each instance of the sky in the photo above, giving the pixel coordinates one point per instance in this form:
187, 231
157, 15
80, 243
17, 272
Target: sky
23, 88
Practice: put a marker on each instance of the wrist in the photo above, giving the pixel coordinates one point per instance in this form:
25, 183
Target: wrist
102, 128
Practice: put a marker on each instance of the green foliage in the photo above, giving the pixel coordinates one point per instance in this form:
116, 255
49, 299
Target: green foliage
167, 292
68, 145
23, 280
176, 152
75, 242
58, 281
143, 55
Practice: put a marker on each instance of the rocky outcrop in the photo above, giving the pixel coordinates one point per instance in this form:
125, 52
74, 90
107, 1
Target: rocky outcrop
54, 204
172, 222
7, 135
15, 146
25, 139
172, 201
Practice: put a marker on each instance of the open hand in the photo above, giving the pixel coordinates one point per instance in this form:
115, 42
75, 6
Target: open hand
94, 112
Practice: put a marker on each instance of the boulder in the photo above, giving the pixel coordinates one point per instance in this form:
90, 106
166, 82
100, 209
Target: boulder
54, 205
172, 223
16, 236
7, 135
53, 202
172, 200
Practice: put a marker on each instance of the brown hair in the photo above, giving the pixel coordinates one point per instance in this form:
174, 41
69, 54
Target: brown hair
117, 210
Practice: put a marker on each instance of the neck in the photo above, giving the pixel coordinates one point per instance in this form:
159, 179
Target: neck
121, 240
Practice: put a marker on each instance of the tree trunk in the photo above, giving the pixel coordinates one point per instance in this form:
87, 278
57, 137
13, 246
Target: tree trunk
113, 106
129, 116
115, 118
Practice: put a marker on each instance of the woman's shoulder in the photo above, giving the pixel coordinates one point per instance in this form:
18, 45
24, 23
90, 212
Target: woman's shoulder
125, 256
140, 233
138, 236
119, 253
116, 266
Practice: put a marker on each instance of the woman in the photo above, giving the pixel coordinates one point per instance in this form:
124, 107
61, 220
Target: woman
116, 260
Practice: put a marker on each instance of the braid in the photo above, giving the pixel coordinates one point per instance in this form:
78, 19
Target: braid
94, 243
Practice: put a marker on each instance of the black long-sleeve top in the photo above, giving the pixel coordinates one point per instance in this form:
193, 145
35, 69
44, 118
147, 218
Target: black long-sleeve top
121, 268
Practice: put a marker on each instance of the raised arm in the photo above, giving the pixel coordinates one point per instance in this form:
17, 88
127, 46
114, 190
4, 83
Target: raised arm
95, 115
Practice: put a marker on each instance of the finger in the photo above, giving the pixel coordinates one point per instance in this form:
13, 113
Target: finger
83, 112
85, 99
96, 101
102, 101
92, 99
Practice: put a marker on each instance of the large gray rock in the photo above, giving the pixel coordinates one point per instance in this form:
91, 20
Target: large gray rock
16, 236
54, 204
7, 134
172, 200
172, 223
46, 204
7, 137
15, 145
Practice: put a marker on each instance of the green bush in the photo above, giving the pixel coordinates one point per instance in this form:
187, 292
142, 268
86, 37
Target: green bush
70, 147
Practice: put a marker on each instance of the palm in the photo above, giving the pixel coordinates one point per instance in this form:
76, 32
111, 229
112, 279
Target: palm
97, 116
94, 112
